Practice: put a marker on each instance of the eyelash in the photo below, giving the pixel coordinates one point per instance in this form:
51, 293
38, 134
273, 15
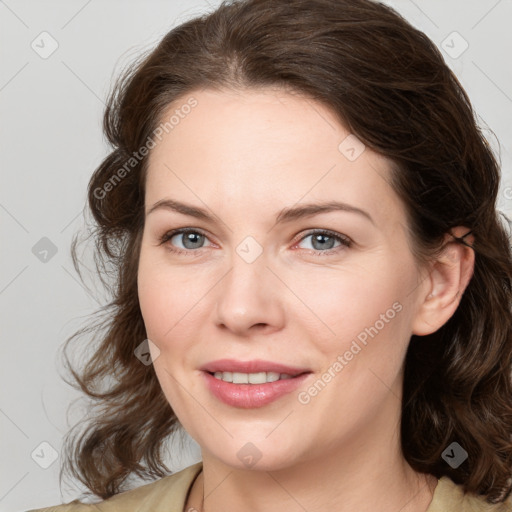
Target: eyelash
345, 241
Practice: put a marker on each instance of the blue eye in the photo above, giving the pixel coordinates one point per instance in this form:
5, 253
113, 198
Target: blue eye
324, 241
191, 239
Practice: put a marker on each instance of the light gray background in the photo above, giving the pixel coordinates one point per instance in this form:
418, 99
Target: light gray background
51, 141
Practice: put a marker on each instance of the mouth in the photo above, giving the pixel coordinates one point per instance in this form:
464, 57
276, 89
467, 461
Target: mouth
253, 367
251, 384
253, 378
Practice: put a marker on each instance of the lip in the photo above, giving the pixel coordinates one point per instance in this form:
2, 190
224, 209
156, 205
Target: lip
250, 396
254, 366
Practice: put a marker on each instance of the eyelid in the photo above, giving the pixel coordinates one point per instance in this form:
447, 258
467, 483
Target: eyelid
166, 237
345, 241
328, 232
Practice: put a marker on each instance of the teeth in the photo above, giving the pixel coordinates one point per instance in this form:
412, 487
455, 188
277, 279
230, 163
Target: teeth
251, 378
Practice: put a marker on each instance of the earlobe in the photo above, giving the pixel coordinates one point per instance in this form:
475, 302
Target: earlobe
443, 288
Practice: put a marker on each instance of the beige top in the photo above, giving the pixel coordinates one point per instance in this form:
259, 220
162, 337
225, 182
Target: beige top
169, 494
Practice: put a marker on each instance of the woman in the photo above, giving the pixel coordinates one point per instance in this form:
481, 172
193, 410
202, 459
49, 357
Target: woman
311, 275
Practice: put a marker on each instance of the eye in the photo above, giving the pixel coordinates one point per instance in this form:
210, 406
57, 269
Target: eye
322, 241
190, 238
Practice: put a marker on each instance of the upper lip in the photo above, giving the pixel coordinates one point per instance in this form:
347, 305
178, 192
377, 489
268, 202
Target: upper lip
254, 366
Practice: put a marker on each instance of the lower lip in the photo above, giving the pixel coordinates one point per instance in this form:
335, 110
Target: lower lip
249, 396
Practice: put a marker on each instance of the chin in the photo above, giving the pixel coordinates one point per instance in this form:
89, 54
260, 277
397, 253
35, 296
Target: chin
255, 455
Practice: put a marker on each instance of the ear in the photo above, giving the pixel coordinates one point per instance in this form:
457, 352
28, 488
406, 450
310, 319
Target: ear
445, 283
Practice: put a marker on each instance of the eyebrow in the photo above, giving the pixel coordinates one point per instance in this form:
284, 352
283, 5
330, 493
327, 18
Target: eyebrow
285, 215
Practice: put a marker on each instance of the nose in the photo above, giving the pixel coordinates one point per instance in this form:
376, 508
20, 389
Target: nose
250, 298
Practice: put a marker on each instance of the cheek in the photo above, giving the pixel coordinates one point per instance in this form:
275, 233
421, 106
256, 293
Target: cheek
165, 293
173, 308
154, 299
164, 300
158, 300
341, 303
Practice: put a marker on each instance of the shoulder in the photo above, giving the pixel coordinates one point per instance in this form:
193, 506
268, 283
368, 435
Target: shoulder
450, 496
165, 495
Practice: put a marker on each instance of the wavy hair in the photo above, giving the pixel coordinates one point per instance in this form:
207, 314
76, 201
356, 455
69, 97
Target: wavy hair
389, 85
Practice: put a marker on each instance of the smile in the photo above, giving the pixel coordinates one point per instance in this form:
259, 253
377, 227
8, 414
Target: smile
251, 390
251, 378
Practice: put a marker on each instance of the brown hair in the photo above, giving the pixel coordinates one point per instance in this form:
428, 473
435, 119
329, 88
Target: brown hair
388, 84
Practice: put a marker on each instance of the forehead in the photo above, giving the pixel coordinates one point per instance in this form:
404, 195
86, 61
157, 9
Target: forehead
264, 148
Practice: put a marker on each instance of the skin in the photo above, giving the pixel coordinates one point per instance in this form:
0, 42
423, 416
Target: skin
244, 156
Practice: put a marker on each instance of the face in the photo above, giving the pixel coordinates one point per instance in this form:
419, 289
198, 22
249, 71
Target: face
261, 274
